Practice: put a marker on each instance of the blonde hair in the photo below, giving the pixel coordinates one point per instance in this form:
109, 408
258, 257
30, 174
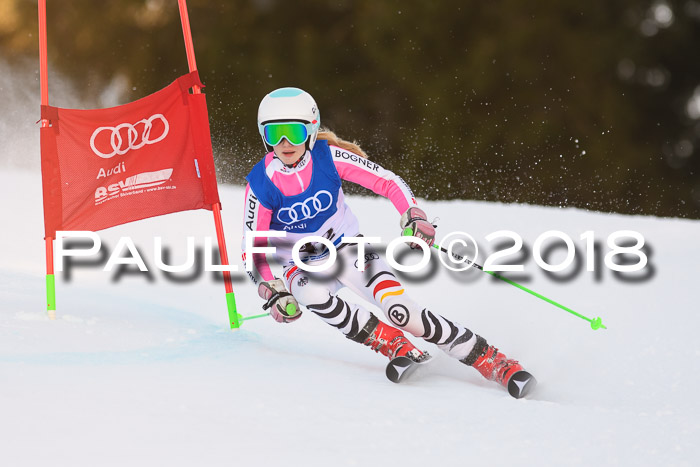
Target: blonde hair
335, 140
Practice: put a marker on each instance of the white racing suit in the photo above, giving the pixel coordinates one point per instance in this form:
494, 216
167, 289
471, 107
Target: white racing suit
308, 200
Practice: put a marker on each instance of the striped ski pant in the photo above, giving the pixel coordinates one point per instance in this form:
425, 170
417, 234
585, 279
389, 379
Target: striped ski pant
318, 291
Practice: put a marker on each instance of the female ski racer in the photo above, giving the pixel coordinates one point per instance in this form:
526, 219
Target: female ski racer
296, 189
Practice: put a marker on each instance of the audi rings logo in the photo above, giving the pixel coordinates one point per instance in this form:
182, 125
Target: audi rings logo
307, 209
125, 137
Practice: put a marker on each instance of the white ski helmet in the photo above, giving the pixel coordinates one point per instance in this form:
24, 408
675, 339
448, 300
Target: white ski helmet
289, 104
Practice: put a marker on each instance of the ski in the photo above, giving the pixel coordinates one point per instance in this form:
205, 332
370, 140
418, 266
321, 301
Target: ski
521, 384
400, 368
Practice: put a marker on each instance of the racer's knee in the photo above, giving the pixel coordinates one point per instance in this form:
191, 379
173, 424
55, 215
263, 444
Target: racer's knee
405, 314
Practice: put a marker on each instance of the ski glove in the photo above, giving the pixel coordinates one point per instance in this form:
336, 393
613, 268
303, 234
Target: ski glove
416, 220
283, 306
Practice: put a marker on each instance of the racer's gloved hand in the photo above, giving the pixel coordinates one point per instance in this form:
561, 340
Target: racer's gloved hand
282, 305
415, 219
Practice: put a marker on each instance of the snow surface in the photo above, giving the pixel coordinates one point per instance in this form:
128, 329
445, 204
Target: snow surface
147, 373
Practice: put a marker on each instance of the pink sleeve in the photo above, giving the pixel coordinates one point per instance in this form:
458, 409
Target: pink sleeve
357, 169
256, 217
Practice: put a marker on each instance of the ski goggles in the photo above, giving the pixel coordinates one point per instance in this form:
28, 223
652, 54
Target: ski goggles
295, 132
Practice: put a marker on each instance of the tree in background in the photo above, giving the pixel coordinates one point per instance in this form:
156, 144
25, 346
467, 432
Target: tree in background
556, 103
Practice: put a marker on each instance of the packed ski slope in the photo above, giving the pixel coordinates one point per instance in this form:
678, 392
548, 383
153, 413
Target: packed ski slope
141, 370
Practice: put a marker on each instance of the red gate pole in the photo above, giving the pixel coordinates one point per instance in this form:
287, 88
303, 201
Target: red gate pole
44, 83
234, 317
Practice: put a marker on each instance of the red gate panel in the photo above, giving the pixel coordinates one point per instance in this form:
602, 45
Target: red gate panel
107, 167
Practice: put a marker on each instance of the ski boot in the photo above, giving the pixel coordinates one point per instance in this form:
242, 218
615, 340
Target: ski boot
495, 366
387, 340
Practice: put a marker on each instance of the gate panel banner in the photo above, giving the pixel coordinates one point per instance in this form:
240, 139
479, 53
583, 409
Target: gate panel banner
107, 167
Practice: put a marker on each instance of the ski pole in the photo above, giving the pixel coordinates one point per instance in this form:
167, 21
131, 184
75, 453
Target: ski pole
239, 318
245, 318
596, 323
290, 310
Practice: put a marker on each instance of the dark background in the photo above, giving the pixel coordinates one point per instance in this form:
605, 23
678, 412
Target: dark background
558, 103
